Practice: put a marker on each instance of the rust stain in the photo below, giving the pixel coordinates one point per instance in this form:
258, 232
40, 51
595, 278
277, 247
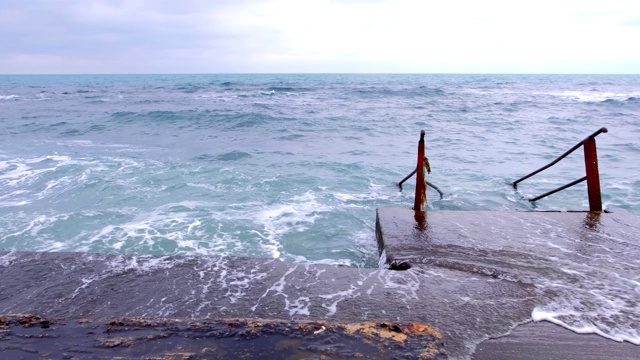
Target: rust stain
419, 328
173, 356
25, 320
375, 329
128, 340
394, 331
312, 337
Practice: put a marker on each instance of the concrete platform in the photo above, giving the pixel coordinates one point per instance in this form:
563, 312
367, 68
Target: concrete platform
577, 262
409, 239
79, 288
543, 340
472, 284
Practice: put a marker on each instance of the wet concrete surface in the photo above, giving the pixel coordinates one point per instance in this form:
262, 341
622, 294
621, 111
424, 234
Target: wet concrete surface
473, 283
580, 263
544, 340
32, 337
456, 238
95, 287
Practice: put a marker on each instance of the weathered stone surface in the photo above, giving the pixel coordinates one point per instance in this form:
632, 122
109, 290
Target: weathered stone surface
487, 238
28, 336
76, 286
583, 266
544, 340
473, 277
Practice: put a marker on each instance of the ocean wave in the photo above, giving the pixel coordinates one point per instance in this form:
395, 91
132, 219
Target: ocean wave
601, 308
233, 155
281, 88
228, 156
287, 89
294, 215
334, 140
159, 116
290, 137
597, 97
421, 91
72, 132
9, 97
148, 101
249, 120
190, 88
196, 119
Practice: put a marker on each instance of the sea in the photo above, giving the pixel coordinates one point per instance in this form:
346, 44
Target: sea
293, 166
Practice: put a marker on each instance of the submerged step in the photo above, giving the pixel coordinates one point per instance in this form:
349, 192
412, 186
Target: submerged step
407, 238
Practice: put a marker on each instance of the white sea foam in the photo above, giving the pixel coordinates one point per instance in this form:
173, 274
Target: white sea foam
291, 216
9, 97
332, 300
34, 226
195, 223
29, 172
18, 172
405, 283
212, 187
375, 193
277, 288
186, 227
592, 300
335, 262
123, 264
143, 263
623, 333
382, 260
587, 96
147, 229
237, 281
299, 306
13, 203
7, 259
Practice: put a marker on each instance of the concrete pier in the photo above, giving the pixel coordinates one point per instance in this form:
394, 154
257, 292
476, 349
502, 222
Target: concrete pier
471, 283
407, 238
565, 256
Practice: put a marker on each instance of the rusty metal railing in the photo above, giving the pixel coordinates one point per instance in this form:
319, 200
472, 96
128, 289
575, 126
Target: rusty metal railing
421, 182
422, 168
426, 181
591, 168
421, 187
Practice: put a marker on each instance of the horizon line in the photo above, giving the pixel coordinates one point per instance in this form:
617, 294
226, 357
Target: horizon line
306, 73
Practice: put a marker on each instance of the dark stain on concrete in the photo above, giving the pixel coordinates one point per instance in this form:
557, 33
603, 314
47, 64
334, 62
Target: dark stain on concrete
33, 337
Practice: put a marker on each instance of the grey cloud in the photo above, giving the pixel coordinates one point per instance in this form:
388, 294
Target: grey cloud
107, 31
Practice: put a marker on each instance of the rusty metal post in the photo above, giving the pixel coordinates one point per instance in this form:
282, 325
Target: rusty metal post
421, 189
593, 176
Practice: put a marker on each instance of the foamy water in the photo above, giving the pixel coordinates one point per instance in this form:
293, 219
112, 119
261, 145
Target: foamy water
294, 166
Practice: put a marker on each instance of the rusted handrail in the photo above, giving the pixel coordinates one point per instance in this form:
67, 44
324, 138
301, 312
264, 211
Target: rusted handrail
426, 181
591, 168
421, 190
559, 189
601, 130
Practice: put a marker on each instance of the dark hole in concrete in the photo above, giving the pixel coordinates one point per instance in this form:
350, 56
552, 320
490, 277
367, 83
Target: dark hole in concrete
400, 266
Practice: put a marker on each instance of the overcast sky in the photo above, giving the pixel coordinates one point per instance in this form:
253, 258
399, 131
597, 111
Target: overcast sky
327, 36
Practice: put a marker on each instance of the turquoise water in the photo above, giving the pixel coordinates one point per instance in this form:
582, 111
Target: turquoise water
291, 166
